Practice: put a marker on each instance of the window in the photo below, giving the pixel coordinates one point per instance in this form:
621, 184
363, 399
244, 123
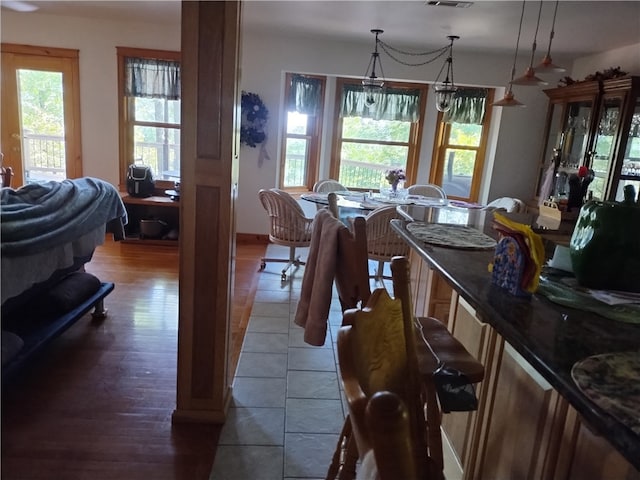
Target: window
373, 138
304, 96
460, 144
149, 89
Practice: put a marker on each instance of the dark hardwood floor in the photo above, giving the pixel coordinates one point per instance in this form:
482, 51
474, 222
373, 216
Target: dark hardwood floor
97, 403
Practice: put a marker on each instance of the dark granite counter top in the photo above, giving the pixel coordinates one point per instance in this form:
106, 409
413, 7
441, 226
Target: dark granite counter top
552, 338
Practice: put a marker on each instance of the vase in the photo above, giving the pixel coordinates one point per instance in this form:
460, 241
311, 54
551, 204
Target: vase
604, 248
396, 187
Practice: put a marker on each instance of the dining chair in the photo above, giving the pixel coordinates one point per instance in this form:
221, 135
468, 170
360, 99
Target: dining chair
427, 190
441, 358
509, 204
288, 226
382, 242
376, 353
329, 185
387, 422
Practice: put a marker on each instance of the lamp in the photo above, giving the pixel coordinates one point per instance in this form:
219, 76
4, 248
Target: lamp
529, 78
445, 91
547, 65
371, 83
509, 99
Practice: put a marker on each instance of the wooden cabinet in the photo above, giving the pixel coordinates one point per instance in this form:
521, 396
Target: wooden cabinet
585, 455
463, 429
523, 428
595, 124
430, 292
152, 208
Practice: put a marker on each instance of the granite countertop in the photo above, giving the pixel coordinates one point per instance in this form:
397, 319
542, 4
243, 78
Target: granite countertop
552, 338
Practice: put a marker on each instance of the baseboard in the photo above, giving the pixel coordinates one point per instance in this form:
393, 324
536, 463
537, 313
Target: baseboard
252, 239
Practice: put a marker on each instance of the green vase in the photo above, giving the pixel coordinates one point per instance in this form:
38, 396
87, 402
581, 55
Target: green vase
605, 246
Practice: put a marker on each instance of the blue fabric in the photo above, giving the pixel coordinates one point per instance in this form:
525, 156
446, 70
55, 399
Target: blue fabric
37, 217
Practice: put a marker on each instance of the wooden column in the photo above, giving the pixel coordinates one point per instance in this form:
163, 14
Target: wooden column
209, 148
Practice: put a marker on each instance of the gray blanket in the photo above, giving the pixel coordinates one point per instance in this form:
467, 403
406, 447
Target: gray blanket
40, 216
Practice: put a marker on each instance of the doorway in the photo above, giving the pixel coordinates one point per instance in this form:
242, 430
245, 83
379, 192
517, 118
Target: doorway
40, 113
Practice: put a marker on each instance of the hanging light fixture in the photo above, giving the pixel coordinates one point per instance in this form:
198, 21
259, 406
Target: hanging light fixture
371, 83
529, 78
547, 65
445, 91
509, 99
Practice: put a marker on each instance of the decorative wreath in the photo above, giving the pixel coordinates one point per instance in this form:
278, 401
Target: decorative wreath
254, 120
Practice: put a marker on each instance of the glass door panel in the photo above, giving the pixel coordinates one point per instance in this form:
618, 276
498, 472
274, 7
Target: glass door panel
630, 172
604, 145
574, 139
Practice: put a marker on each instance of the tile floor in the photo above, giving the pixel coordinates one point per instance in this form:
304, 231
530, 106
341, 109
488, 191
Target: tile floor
287, 409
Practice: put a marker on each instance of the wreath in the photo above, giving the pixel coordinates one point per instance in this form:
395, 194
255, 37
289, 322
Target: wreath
254, 119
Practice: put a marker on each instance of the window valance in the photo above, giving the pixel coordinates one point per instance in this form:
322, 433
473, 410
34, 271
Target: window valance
390, 104
468, 106
152, 78
305, 95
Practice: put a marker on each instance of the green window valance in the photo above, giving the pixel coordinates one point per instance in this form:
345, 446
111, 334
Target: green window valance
152, 78
468, 106
390, 104
305, 95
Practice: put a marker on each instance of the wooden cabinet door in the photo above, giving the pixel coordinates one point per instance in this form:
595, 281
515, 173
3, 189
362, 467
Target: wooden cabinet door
462, 429
430, 292
584, 455
525, 423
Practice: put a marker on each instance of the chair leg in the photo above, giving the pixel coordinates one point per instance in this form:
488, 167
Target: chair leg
293, 260
345, 457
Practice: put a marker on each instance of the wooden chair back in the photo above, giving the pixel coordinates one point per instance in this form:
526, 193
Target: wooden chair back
376, 352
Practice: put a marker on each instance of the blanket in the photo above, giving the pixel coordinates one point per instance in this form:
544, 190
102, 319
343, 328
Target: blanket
40, 216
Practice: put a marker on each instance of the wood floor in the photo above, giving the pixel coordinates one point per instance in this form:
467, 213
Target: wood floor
97, 403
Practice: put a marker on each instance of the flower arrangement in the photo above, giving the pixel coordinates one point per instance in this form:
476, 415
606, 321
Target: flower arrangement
394, 176
254, 120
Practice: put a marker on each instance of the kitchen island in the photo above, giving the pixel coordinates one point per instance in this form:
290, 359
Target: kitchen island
533, 421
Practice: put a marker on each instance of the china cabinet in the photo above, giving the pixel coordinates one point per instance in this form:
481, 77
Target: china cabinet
595, 124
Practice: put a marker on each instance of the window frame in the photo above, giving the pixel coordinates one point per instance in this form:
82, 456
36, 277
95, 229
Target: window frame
125, 110
313, 135
415, 132
441, 144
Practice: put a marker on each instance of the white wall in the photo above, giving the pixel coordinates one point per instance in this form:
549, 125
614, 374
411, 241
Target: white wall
513, 153
96, 41
627, 58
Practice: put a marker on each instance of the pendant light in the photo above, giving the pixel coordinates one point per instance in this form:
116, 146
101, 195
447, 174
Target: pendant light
529, 78
446, 91
509, 99
547, 65
371, 83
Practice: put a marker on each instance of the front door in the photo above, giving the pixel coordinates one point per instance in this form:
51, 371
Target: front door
40, 113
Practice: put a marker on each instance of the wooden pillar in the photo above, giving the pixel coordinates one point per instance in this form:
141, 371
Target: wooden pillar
209, 148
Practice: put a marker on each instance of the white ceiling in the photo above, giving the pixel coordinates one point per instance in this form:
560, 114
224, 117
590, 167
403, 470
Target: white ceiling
582, 27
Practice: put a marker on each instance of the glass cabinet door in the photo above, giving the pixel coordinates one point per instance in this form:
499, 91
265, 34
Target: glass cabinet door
575, 134
630, 171
604, 145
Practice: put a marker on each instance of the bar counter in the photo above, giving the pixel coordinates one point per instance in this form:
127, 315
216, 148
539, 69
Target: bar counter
552, 338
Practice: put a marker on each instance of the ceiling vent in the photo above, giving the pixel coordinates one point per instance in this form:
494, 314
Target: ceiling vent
449, 3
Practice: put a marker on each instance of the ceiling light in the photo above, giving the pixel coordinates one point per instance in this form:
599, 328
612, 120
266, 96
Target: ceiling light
547, 65
371, 83
447, 3
445, 91
509, 99
529, 78
19, 6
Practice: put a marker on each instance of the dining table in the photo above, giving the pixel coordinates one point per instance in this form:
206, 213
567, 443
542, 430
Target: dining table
361, 203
